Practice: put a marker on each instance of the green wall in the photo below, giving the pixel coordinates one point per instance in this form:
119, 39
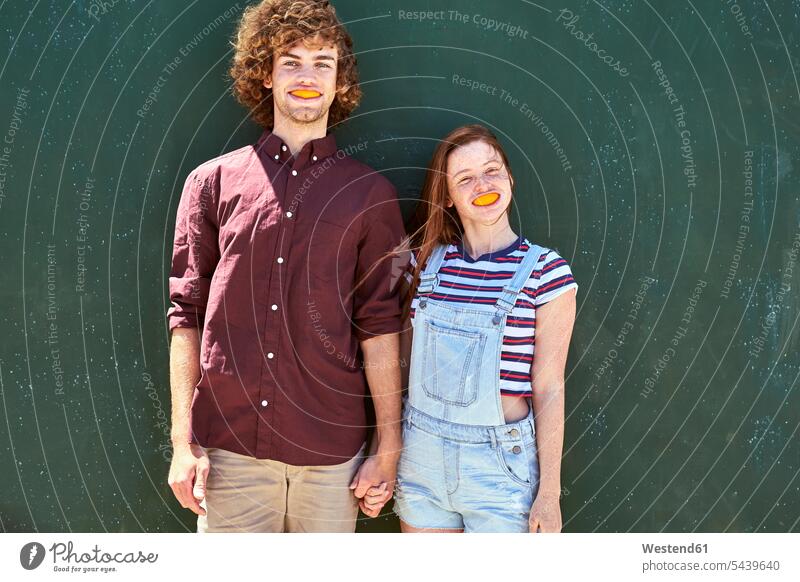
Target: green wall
666, 175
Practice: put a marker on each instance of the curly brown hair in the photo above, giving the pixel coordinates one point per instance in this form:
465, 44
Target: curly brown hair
272, 26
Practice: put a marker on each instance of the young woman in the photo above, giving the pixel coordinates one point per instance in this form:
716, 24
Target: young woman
480, 298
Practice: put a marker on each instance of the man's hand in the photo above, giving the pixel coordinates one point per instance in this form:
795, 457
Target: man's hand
373, 484
545, 514
188, 474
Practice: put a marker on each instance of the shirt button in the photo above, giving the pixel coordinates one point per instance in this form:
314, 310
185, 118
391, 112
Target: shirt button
294, 172
314, 158
277, 156
264, 403
289, 214
274, 307
283, 147
270, 355
516, 450
280, 259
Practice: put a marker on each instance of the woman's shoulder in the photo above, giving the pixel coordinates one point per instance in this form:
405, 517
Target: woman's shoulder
411, 253
551, 275
414, 252
544, 253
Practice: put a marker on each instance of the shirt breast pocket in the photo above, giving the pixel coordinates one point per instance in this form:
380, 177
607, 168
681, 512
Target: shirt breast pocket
332, 255
241, 222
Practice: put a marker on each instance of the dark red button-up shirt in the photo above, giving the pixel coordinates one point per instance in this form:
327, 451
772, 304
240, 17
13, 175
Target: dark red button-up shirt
267, 251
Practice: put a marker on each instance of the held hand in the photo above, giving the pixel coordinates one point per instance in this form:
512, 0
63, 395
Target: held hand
375, 499
545, 515
373, 484
188, 474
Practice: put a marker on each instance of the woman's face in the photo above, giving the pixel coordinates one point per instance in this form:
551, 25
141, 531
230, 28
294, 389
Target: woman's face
478, 183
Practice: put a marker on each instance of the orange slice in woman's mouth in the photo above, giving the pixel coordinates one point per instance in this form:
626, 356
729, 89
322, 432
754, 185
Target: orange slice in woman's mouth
305, 93
486, 199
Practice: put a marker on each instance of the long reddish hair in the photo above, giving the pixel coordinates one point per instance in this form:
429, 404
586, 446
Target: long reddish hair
432, 222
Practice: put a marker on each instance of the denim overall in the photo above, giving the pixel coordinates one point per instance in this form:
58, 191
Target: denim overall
462, 465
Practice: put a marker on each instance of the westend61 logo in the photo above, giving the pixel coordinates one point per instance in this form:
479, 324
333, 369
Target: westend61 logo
65, 559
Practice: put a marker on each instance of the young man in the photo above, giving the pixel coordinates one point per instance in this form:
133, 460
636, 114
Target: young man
281, 286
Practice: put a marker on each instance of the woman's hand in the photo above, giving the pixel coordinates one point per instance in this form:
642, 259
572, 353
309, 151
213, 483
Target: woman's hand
545, 514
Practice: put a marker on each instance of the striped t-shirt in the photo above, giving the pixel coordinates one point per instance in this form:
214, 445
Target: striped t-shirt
479, 282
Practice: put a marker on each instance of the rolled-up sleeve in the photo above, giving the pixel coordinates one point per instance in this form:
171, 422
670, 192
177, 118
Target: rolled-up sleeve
195, 252
380, 267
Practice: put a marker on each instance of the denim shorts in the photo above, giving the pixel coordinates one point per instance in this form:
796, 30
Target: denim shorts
458, 476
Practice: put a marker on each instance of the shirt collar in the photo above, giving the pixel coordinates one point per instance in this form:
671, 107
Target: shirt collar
488, 256
312, 153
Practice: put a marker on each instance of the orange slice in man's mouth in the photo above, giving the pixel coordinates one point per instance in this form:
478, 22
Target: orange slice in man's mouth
486, 199
305, 93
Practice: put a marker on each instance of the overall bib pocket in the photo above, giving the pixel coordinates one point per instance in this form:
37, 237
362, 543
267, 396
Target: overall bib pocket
452, 363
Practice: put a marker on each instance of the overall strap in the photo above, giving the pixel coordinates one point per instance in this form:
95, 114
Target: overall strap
429, 278
508, 297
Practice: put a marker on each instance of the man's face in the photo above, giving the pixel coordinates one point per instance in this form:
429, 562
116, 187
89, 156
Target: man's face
303, 81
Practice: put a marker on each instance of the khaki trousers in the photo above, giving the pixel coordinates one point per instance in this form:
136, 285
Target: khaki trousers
244, 494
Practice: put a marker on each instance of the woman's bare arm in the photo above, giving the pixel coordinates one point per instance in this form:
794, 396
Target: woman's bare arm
554, 323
